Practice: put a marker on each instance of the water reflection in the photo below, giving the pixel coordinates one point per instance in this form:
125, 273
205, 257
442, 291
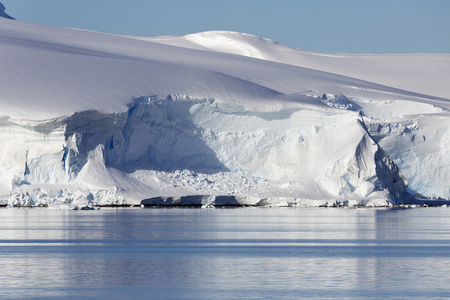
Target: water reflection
224, 253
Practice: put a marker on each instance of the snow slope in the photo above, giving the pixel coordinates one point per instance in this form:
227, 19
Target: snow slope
88, 117
402, 71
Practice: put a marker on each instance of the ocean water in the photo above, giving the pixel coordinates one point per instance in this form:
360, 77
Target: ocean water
239, 253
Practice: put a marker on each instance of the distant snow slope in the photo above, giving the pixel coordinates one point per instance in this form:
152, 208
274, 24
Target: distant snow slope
88, 117
402, 71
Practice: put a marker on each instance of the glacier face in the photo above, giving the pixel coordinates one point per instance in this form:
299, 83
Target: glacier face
419, 145
89, 118
298, 152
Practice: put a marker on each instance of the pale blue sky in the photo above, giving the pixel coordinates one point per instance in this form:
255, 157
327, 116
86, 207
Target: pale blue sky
352, 26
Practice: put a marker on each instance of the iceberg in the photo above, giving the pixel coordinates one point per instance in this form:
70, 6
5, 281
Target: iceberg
215, 118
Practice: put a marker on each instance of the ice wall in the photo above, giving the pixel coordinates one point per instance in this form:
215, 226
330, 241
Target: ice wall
299, 151
419, 145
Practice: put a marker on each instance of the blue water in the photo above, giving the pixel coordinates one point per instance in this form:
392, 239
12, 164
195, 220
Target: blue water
251, 253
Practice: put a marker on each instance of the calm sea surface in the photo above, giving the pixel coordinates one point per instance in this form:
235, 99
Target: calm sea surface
251, 253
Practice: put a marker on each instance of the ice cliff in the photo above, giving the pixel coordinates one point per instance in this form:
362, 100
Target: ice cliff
297, 152
213, 119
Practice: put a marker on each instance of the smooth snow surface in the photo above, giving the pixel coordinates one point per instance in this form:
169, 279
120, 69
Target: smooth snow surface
92, 118
421, 73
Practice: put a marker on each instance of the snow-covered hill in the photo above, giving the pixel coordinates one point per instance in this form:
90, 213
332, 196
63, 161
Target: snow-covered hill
88, 117
402, 71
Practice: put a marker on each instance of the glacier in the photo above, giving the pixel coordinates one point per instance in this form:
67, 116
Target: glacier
215, 118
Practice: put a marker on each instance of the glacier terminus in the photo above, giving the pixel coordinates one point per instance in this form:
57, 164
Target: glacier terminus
215, 118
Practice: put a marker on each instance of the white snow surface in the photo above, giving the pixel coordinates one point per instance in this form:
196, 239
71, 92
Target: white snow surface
91, 118
421, 73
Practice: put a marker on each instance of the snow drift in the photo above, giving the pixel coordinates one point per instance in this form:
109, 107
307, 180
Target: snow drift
92, 118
